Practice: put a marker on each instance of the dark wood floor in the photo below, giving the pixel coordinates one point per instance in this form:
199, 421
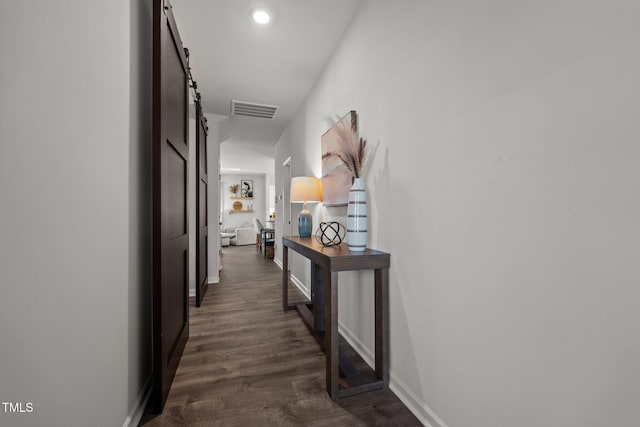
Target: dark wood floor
247, 363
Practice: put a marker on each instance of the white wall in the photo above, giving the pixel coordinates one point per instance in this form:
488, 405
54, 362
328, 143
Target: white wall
259, 201
249, 156
140, 208
74, 262
191, 194
270, 189
504, 183
213, 198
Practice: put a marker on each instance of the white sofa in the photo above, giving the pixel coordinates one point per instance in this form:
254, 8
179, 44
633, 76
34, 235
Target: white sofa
241, 236
225, 238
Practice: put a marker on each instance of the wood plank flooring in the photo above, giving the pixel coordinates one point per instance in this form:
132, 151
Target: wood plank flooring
248, 363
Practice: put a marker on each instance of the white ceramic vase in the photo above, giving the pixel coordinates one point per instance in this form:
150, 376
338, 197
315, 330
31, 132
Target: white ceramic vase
357, 233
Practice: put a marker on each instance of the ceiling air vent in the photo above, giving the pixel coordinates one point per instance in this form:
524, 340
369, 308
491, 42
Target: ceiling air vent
251, 109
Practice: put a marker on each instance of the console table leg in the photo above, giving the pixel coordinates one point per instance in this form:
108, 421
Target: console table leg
285, 278
382, 324
318, 289
331, 334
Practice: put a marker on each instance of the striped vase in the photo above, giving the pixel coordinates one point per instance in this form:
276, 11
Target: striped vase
357, 233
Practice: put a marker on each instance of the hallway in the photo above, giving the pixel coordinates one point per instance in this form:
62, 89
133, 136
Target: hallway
249, 364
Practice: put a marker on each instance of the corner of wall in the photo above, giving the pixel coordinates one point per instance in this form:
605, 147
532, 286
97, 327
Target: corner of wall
137, 410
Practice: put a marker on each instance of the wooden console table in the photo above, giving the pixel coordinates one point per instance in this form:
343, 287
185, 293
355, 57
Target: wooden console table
326, 262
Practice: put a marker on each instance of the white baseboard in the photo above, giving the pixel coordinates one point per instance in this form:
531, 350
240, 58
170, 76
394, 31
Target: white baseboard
300, 286
366, 354
422, 412
210, 281
295, 280
278, 262
135, 415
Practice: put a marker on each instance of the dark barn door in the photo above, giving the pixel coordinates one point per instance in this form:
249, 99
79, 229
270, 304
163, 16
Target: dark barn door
201, 203
170, 224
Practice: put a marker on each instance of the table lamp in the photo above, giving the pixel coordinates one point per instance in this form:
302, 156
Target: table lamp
305, 189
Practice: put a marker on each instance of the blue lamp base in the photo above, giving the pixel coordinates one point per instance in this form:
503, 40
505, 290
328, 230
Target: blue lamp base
305, 223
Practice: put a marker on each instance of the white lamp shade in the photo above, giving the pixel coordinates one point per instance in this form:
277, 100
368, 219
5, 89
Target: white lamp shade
306, 189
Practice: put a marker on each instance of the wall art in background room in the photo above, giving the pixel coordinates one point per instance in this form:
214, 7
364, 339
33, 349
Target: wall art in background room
336, 178
246, 188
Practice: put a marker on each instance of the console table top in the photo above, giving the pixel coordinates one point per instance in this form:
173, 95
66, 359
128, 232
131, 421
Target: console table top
337, 258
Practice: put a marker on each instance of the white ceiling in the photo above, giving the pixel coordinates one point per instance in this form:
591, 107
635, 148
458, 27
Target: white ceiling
232, 57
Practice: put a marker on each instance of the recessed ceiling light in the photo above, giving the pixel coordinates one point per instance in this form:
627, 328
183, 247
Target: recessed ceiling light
261, 16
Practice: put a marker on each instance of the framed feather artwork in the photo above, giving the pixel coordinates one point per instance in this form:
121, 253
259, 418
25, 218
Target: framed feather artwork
336, 177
